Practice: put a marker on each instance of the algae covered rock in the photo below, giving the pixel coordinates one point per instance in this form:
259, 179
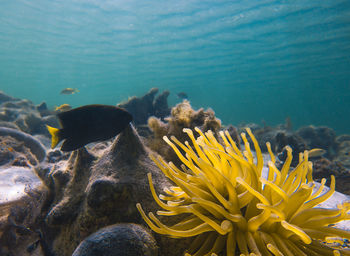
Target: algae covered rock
182, 116
343, 154
19, 149
90, 191
17, 141
118, 240
319, 137
22, 114
21, 198
4, 97
148, 105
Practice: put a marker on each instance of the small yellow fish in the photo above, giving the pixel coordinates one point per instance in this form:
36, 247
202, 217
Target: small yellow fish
69, 91
317, 152
63, 107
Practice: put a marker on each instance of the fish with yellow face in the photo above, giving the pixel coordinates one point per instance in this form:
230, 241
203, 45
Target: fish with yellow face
90, 123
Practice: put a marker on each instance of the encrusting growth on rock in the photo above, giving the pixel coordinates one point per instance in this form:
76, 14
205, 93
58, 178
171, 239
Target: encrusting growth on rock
182, 116
91, 191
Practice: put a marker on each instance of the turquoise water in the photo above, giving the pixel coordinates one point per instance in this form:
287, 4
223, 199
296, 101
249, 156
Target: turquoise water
248, 60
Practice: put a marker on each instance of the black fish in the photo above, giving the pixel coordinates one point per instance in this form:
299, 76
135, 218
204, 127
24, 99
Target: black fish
182, 95
89, 123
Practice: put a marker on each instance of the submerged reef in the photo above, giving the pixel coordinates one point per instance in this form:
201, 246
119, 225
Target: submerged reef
15, 141
343, 154
148, 105
89, 196
319, 137
23, 115
90, 191
305, 138
21, 194
21, 198
182, 116
335, 159
122, 239
324, 168
229, 206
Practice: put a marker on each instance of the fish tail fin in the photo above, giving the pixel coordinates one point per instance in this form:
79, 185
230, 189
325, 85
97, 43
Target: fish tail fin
55, 135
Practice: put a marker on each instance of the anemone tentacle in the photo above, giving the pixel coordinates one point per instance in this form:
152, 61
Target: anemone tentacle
229, 207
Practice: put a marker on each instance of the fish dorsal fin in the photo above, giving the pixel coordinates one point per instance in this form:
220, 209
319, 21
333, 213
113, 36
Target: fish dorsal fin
69, 118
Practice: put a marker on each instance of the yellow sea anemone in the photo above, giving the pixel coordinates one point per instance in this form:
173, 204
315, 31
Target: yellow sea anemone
229, 207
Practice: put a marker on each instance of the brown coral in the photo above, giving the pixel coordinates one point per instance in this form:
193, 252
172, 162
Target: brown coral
182, 116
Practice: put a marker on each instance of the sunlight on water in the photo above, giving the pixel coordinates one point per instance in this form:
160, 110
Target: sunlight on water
248, 60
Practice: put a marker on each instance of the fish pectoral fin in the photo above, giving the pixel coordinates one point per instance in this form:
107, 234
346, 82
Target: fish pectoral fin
55, 135
71, 144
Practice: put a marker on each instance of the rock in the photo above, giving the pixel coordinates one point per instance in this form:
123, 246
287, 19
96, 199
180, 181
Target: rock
160, 105
34, 124
342, 138
56, 155
5, 98
343, 155
306, 138
20, 202
41, 107
43, 110
51, 120
29, 141
278, 138
6, 156
319, 137
141, 108
45, 141
9, 125
15, 153
14, 181
324, 168
21, 198
118, 240
148, 105
23, 104
24, 115
90, 191
334, 162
